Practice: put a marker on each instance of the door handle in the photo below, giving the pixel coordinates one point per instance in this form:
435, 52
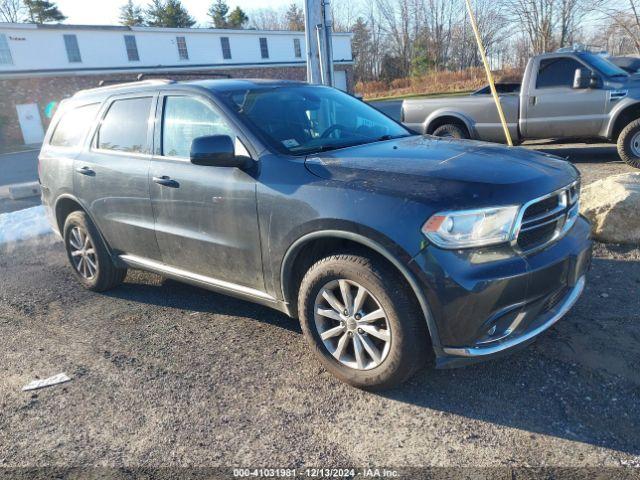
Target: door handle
533, 100
166, 181
85, 171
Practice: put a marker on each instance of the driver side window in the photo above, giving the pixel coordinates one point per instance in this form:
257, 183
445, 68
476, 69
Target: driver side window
557, 72
186, 118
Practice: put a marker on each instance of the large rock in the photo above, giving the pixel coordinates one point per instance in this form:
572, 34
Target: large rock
613, 206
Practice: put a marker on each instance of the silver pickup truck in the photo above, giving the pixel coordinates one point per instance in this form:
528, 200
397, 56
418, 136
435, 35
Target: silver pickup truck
570, 95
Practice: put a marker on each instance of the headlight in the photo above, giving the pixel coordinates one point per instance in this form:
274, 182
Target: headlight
471, 228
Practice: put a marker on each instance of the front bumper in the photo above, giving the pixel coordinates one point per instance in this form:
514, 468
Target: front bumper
487, 302
544, 322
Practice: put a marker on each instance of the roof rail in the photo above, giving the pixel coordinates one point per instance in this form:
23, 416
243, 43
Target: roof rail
120, 83
142, 76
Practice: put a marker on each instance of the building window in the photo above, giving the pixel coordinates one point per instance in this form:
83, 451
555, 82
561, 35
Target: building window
183, 53
226, 48
264, 48
73, 51
5, 52
296, 48
132, 48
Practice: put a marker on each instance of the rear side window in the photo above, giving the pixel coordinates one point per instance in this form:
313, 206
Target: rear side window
557, 72
124, 128
73, 126
184, 119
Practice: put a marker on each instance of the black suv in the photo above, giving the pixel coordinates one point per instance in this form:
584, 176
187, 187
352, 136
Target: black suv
391, 248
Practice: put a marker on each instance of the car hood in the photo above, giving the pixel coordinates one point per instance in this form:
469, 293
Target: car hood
455, 172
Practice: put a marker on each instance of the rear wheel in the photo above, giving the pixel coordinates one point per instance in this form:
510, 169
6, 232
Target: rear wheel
362, 321
450, 130
629, 144
88, 255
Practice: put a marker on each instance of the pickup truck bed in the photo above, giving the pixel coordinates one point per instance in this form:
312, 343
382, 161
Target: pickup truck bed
478, 111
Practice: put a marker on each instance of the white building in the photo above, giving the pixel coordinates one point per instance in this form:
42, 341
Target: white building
41, 64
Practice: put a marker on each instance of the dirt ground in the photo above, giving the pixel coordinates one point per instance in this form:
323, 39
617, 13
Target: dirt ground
165, 374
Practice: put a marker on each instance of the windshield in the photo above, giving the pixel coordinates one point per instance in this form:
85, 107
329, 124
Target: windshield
604, 66
309, 119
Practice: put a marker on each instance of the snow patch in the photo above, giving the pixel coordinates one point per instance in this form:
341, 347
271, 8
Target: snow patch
23, 225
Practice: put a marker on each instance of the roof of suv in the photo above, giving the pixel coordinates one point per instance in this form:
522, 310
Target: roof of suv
217, 85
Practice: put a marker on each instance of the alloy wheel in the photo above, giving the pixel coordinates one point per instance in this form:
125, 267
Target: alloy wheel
83, 253
352, 325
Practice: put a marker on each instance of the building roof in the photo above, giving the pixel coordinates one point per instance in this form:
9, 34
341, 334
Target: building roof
64, 26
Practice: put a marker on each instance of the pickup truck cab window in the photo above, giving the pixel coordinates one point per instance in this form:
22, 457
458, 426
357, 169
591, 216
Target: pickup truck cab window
557, 72
125, 126
185, 118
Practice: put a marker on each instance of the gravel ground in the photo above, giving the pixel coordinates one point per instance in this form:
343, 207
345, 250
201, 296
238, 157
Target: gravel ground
166, 374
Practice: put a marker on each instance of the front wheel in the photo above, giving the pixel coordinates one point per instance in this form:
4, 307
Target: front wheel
629, 144
362, 321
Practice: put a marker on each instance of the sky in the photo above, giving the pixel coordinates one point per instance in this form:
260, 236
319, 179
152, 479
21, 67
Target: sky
106, 12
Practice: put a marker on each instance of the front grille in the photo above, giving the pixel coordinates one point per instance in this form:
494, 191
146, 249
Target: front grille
541, 207
537, 236
544, 219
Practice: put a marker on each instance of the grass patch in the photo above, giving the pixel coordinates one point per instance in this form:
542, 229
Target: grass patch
418, 95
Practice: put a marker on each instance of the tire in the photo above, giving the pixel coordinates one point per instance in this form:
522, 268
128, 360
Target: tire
629, 144
450, 130
91, 263
408, 345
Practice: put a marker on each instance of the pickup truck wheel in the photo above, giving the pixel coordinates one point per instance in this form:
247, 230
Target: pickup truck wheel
450, 131
88, 255
362, 322
629, 144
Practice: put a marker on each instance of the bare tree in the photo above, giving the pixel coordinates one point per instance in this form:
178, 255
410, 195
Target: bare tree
396, 21
267, 19
11, 11
548, 24
623, 18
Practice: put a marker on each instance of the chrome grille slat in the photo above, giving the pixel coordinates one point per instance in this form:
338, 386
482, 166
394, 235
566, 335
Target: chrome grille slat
538, 225
536, 230
543, 216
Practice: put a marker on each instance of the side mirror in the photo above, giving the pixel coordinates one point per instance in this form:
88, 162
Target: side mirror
215, 151
585, 78
582, 79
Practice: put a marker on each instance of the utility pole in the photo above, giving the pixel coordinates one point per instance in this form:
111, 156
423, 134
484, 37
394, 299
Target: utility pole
492, 85
318, 26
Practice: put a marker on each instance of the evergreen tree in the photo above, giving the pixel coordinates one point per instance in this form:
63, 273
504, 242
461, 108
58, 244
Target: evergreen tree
218, 13
237, 18
168, 13
42, 11
131, 14
294, 18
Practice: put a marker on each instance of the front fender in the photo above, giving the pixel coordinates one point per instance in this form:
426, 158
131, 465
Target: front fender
391, 252
618, 110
